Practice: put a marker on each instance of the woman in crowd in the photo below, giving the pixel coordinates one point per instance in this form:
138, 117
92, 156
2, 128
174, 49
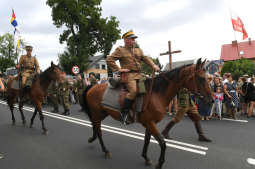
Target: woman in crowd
248, 92
231, 98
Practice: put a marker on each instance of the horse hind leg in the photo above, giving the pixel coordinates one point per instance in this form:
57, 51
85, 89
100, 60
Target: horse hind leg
94, 136
21, 103
10, 102
99, 134
33, 117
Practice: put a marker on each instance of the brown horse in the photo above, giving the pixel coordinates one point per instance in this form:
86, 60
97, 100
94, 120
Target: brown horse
165, 87
36, 93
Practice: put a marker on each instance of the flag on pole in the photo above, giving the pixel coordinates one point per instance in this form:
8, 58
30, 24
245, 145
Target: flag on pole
16, 30
239, 26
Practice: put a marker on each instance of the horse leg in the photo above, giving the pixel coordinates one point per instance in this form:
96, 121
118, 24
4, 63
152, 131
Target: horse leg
39, 109
32, 119
99, 134
10, 102
94, 136
21, 112
147, 138
152, 128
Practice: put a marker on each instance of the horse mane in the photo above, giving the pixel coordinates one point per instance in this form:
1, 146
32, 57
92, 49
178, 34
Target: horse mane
44, 76
161, 81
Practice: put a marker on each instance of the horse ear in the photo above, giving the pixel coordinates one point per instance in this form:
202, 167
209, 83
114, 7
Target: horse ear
203, 63
198, 65
52, 63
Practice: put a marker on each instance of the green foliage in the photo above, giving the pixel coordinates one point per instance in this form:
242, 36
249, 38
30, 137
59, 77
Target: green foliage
238, 68
86, 31
8, 55
147, 69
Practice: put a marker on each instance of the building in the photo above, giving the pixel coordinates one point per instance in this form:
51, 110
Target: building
179, 63
98, 66
245, 49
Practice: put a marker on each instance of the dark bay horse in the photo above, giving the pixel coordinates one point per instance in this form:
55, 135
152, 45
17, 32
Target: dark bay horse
37, 93
165, 87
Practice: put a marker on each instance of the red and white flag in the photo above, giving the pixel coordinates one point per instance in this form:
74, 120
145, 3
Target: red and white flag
239, 26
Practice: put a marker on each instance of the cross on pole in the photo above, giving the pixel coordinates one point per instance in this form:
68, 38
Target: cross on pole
170, 52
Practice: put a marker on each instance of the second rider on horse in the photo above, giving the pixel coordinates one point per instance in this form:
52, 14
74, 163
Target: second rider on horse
130, 57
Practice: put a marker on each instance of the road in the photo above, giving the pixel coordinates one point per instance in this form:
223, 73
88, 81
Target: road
66, 146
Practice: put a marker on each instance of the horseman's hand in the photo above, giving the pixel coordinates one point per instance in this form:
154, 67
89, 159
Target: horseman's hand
230, 97
124, 70
156, 68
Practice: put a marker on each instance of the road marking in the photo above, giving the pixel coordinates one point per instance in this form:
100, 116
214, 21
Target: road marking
1, 156
251, 161
243, 121
128, 133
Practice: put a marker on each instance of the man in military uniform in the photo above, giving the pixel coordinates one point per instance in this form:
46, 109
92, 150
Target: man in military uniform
186, 105
29, 65
92, 79
80, 85
130, 57
64, 91
53, 95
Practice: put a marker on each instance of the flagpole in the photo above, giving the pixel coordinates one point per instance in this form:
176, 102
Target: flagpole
237, 48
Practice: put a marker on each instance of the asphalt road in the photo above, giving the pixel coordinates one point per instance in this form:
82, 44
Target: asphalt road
66, 146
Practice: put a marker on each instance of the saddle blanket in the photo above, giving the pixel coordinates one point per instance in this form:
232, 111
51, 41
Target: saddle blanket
15, 84
111, 100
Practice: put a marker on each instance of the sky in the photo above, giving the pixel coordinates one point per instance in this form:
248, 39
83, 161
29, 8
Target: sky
197, 27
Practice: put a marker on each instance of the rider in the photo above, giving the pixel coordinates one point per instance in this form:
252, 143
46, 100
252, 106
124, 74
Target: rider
29, 65
130, 57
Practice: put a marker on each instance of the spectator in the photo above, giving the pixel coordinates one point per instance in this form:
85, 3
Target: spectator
231, 97
217, 106
2, 89
104, 80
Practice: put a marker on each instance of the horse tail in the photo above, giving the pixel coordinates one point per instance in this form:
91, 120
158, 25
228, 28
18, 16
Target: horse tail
85, 105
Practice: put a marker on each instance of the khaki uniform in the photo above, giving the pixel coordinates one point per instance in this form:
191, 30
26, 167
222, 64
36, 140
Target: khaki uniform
185, 105
29, 65
64, 91
129, 58
53, 94
93, 80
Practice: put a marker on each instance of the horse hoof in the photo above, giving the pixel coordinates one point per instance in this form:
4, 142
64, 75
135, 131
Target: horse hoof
91, 139
13, 123
24, 123
45, 132
158, 166
148, 162
108, 155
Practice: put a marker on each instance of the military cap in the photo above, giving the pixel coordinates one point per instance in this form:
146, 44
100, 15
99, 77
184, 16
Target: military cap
29, 47
129, 34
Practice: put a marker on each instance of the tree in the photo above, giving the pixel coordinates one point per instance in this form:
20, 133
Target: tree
86, 31
147, 69
8, 54
238, 68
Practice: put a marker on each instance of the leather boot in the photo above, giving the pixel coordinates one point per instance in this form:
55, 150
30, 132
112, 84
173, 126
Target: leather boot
66, 113
125, 111
167, 129
200, 133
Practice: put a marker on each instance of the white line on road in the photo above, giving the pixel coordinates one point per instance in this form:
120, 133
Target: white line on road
243, 121
120, 132
251, 161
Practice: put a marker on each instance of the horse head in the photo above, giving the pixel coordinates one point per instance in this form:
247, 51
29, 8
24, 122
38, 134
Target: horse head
55, 72
197, 82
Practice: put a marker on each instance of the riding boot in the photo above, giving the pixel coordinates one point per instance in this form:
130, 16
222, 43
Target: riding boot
200, 133
125, 111
167, 129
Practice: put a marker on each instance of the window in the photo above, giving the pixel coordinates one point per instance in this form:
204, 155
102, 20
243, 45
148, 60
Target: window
103, 66
97, 66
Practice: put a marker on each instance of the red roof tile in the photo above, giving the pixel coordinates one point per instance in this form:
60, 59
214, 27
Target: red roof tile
229, 51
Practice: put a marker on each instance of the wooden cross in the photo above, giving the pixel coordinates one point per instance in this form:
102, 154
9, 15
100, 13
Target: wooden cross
170, 52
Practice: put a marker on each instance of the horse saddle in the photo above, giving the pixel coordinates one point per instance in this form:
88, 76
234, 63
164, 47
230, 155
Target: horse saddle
17, 82
114, 96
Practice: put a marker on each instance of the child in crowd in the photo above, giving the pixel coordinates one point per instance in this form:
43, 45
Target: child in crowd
217, 106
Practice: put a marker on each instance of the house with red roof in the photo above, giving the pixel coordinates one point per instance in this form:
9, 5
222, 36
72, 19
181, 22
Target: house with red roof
246, 50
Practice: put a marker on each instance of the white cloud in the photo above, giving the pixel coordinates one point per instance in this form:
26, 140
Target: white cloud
164, 8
